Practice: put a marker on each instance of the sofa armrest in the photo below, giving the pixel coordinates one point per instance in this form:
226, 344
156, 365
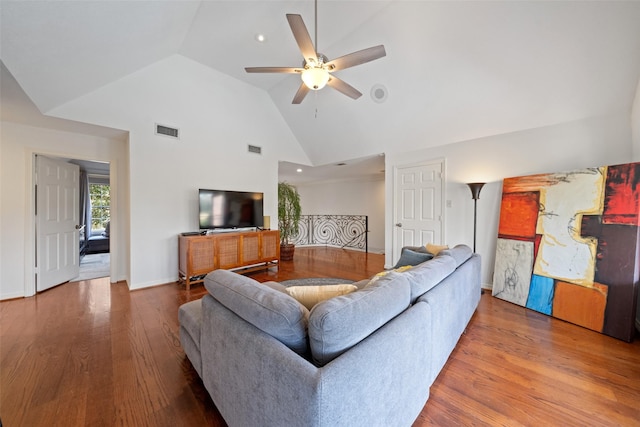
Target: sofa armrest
453, 302
254, 379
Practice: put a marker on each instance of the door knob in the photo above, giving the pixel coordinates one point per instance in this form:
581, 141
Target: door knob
399, 224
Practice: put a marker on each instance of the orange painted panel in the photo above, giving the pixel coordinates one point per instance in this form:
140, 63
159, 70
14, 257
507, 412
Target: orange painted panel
531, 183
622, 196
581, 305
519, 214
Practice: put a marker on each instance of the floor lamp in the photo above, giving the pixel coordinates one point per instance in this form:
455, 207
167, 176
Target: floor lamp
475, 188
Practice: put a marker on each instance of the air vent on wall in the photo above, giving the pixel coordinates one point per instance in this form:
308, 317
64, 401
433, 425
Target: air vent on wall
255, 149
168, 131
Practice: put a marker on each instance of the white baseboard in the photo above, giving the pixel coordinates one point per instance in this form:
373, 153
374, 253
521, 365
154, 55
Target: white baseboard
150, 284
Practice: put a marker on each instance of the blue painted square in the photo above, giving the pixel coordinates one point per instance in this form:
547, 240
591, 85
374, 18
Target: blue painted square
541, 293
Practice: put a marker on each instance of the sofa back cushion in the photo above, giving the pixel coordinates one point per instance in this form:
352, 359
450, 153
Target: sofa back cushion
460, 253
425, 276
339, 323
269, 310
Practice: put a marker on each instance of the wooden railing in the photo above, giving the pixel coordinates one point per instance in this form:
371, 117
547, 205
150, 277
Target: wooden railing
343, 231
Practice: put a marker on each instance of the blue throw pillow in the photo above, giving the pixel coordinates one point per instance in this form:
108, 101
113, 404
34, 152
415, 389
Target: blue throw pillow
411, 257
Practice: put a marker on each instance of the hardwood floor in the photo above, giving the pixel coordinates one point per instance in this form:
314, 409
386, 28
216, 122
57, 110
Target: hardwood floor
94, 354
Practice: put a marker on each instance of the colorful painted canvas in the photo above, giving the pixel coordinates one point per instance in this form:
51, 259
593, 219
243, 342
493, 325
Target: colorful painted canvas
568, 246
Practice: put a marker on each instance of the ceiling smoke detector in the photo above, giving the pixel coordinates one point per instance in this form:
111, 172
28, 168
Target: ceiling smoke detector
379, 93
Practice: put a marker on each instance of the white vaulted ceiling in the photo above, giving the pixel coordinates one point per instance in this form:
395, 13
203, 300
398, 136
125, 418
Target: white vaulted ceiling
454, 70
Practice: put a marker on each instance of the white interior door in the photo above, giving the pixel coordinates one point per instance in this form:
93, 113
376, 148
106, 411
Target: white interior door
418, 217
57, 211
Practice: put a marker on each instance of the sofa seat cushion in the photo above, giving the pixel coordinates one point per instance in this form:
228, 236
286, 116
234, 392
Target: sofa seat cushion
190, 318
309, 296
339, 323
97, 244
269, 310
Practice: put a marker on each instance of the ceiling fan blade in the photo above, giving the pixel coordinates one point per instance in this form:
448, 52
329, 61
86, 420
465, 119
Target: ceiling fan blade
303, 90
289, 70
343, 87
302, 37
357, 58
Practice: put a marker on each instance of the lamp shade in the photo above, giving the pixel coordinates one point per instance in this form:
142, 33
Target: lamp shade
475, 188
315, 78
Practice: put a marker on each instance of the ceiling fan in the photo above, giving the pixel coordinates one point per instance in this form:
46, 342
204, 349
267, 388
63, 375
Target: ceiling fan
316, 68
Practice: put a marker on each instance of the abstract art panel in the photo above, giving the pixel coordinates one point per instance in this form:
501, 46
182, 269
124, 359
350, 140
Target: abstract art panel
513, 270
568, 246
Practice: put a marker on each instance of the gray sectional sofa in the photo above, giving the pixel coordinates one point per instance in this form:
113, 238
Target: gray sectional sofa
367, 358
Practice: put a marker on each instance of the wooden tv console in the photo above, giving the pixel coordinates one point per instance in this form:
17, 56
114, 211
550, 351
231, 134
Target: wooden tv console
242, 251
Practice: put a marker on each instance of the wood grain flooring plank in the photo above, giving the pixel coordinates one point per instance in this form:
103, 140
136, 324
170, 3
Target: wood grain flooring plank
93, 353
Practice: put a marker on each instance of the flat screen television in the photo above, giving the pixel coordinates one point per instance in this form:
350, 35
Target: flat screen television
230, 209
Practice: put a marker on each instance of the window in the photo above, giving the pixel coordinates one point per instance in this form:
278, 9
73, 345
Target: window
100, 205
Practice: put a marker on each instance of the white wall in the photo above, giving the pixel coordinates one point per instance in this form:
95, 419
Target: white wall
18, 145
348, 197
587, 143
217, 117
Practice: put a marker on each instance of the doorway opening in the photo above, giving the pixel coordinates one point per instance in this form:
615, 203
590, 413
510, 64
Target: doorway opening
63, 222
94, 251
418, 215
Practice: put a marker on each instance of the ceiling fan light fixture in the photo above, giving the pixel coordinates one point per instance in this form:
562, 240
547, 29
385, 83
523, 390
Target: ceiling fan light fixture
316, 67
315, 78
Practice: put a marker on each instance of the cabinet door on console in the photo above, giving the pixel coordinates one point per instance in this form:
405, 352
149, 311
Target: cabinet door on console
228, 251
199, 253
271, 245
251, 248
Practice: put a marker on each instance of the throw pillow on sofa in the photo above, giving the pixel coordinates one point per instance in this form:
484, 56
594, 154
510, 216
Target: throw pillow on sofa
411, 257
436, 249
107, 229
312, 295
